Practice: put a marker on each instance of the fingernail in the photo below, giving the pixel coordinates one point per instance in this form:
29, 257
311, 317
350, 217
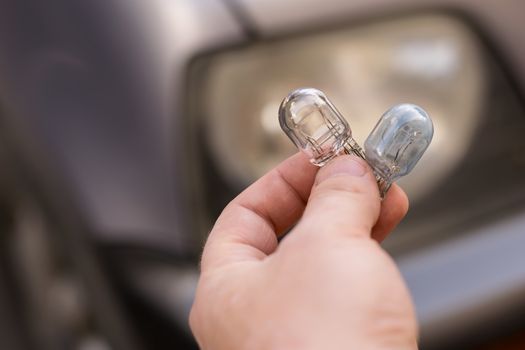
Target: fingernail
344, 165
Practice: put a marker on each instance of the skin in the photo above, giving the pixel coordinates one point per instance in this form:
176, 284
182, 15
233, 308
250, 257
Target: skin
327, 285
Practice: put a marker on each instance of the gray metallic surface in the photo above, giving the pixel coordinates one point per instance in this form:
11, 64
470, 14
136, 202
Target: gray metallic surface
467, 282
104, 119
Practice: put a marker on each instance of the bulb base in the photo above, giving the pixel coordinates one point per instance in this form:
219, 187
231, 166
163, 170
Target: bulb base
351, 147
383, 185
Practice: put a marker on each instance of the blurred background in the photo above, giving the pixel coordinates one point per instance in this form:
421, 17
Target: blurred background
126, 126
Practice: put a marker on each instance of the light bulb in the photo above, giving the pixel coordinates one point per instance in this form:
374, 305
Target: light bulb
392, 149
397, 142
316, 127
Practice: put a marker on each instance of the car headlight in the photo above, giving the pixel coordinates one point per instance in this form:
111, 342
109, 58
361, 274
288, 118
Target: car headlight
432, 60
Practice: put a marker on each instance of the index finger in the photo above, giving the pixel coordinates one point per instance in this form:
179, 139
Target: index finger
250, 224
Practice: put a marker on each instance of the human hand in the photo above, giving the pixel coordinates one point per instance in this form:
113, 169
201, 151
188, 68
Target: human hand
327, 285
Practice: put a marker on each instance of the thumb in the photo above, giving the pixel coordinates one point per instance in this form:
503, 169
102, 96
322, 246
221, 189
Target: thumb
344, 200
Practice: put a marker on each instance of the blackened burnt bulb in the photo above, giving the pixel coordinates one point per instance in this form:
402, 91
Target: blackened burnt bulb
397, 142
315, 126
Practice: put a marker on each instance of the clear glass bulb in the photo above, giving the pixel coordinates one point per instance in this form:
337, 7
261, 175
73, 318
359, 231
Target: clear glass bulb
315, 126
392, 149
397, 142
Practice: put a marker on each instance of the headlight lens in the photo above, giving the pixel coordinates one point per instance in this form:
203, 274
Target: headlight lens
431, 60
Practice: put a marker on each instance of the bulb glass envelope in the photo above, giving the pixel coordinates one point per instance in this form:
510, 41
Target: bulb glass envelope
398, 141
392, 149
314, 125
432, 60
